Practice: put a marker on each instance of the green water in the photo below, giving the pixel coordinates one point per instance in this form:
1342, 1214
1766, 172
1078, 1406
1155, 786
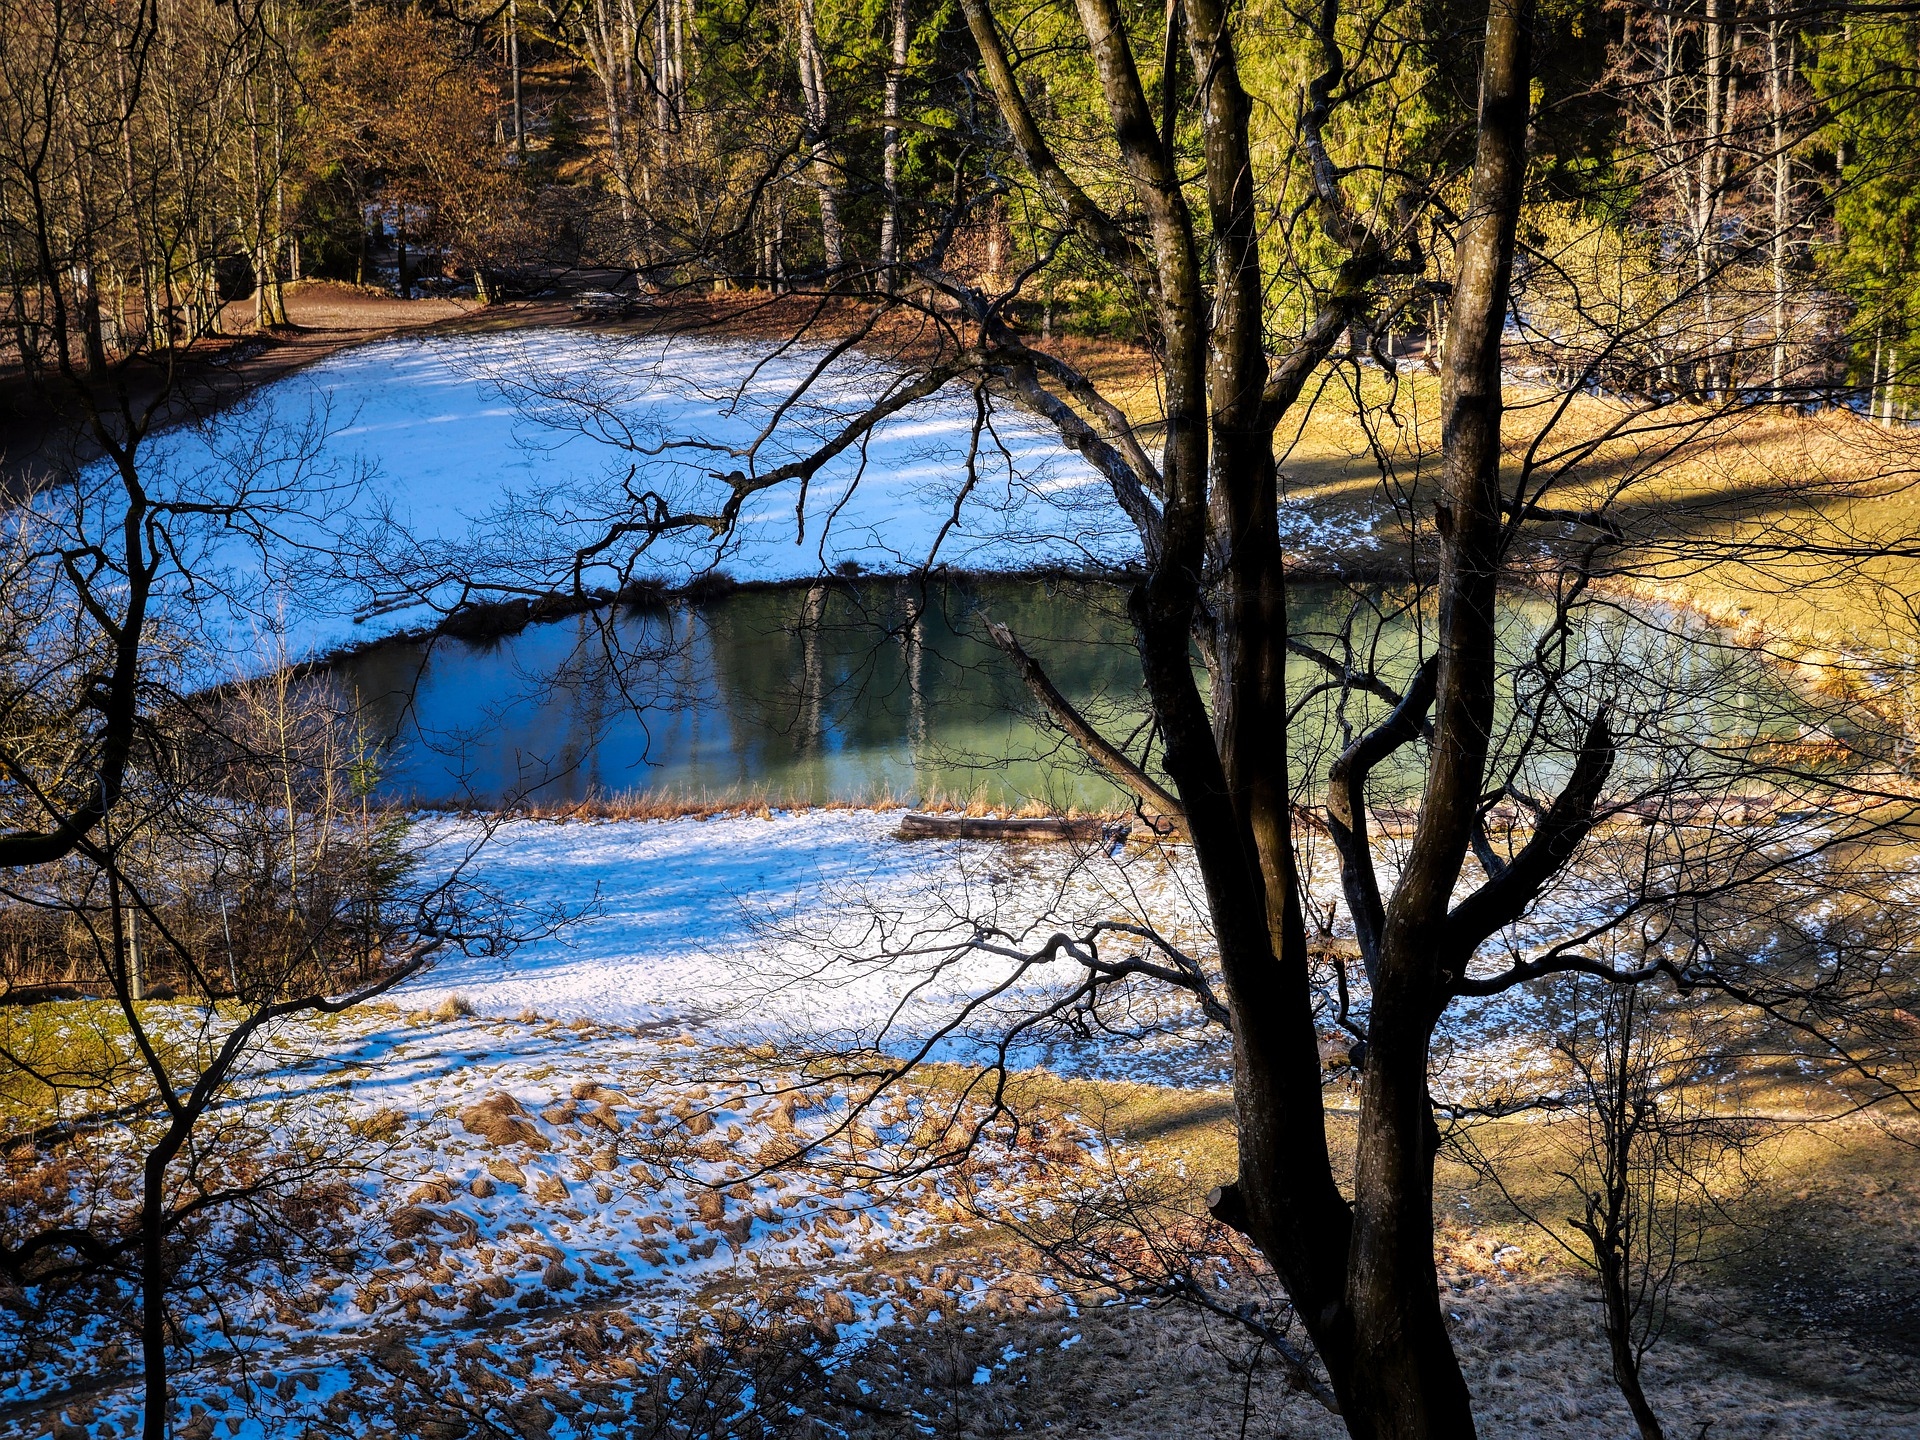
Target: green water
863, 689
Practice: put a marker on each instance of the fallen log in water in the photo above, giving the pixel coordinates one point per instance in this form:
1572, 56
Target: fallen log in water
914, 826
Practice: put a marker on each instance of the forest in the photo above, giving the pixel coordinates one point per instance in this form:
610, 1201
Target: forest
791, 718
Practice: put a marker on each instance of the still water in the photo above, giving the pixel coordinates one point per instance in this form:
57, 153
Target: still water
862, 689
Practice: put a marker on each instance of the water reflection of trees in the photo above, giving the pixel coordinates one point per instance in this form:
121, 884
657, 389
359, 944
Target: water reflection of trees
857, 688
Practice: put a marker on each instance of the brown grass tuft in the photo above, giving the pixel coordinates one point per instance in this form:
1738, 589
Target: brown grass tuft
453, 1007
507, 1173
382, 1125
499, 1120
593, 1090
670, 805
411, 1220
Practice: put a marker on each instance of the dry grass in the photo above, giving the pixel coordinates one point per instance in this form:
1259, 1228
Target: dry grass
675, 805
1808, 1324
1786, 529
1529, 1344
1809, 1331
499, 1120
1820, 504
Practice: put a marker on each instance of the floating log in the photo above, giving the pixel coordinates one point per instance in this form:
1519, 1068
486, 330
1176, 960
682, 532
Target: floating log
980, 827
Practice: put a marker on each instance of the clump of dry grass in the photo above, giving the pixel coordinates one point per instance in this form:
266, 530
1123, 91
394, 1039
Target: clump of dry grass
593, 1091
453, 1007
499, 1120
380, 1126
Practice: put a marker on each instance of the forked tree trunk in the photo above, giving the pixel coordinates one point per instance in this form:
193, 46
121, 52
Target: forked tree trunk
1411, 1383
1362, 1278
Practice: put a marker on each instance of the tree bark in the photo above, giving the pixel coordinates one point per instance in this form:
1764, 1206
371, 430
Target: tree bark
1064, 714
1610, 1263
1362, 1279
154, 1285
513, 66
890, 146
1782, 196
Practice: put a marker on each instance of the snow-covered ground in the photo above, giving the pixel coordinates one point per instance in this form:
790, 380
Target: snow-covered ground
499, 456
581, 1152
601, 1156
818, 929
551, 1210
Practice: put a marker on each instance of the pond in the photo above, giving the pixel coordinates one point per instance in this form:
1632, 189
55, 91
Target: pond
856, 690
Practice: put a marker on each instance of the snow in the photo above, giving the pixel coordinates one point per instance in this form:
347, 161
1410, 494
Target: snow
653, 1053
817, 928
438, 460
652, 1164
644, 1174
458, 455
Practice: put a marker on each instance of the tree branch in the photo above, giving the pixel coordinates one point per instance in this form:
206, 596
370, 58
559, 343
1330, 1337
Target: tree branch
1506, 896
1107, 756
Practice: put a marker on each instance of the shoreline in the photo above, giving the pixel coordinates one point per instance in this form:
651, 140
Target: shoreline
218, 373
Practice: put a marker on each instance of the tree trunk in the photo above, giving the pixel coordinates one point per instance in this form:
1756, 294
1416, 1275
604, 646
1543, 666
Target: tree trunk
662, 81
513, 66
826, 182
1362, 1279
154, 1284
1873, 385
277, 238
890, 153
1409, 1380
1782, 179
149, 298
87, 295
1711, 182
1618, 1322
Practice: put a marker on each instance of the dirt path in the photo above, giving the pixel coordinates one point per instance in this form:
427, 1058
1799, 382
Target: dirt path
44, 432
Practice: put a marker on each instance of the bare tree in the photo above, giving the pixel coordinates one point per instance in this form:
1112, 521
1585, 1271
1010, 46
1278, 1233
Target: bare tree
248, 865
1656, 1168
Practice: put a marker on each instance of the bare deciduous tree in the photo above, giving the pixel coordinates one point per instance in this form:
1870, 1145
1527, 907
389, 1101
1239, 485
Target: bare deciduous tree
246, 865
